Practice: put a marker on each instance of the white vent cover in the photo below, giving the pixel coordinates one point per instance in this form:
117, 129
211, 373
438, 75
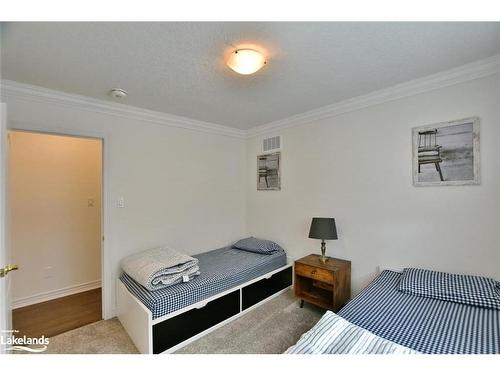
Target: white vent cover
273, 143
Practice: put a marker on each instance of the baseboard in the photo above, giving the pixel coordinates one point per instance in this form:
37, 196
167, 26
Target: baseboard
53, 294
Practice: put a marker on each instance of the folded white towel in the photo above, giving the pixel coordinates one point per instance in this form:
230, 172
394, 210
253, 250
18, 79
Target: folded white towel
160, 267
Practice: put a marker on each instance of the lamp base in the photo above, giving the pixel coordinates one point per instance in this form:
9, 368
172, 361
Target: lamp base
323, 258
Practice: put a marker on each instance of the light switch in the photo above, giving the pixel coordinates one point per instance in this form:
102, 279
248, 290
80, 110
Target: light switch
48, 272
120, 202
90, 202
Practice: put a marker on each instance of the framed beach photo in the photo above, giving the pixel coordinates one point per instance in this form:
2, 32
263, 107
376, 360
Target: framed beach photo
269, 171
446, 153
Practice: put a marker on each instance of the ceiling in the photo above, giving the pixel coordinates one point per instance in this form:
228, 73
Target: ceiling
179, 68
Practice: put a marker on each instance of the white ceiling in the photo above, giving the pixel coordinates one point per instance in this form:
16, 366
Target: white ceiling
178, 68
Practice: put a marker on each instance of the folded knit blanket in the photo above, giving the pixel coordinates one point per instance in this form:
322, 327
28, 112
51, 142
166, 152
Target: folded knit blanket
160, 267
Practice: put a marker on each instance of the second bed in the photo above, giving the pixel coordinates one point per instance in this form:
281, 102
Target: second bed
426, 325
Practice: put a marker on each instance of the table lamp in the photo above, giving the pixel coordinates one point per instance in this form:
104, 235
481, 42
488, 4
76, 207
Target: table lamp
323, 228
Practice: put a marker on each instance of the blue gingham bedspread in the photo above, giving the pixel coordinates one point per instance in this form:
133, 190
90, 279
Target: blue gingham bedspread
221, 269
423, 324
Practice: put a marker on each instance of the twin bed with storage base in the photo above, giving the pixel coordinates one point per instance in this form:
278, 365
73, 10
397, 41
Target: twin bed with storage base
232, 282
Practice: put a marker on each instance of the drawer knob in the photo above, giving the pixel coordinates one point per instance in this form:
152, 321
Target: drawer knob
313, 272
201, 305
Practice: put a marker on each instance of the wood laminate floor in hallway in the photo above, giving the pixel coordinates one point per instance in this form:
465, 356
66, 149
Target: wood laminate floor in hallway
59, 315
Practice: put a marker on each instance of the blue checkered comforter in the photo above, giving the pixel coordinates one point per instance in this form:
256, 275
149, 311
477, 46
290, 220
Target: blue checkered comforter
221, 269
424, 324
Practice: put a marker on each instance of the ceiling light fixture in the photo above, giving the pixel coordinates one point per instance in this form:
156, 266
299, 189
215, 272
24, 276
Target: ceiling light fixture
246, 61
118, 93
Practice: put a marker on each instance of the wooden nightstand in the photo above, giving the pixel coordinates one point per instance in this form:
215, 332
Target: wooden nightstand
324, 284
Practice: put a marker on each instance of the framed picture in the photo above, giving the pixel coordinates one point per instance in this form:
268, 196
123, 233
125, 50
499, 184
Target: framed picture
269, 171
446, 153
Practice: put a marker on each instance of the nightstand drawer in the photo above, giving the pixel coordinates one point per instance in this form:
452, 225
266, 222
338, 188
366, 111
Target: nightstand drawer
314, 273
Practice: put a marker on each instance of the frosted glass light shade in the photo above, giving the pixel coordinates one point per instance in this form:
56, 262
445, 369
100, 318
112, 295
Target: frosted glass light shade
246, 61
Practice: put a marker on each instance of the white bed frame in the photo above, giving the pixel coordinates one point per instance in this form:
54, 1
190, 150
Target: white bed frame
138, 322
389, 267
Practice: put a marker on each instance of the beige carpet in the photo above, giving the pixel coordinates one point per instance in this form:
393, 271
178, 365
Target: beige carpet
103, 337
270, 328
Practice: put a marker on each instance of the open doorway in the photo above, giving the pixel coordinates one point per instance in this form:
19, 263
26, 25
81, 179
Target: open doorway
55, 214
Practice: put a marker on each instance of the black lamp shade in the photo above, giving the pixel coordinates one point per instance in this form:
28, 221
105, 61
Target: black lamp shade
323, 228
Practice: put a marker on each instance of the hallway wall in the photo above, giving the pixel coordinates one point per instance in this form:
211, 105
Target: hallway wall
55, 215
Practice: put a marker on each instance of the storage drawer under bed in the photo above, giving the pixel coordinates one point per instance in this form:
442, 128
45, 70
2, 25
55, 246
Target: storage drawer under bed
179, 328
260, 290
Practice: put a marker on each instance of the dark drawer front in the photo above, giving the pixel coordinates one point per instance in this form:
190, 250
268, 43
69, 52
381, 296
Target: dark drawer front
260, 290
181, 327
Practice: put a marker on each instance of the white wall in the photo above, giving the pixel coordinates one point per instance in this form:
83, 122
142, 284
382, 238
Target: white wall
356, 167
181, 187
55, 234
197, 191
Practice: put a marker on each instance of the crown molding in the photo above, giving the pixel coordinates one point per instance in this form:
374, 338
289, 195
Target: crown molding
17, 90
468, 72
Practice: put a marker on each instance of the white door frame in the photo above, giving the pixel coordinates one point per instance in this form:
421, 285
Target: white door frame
106, 271
5, 316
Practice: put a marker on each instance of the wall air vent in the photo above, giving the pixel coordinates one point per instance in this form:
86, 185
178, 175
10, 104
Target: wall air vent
273, 143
